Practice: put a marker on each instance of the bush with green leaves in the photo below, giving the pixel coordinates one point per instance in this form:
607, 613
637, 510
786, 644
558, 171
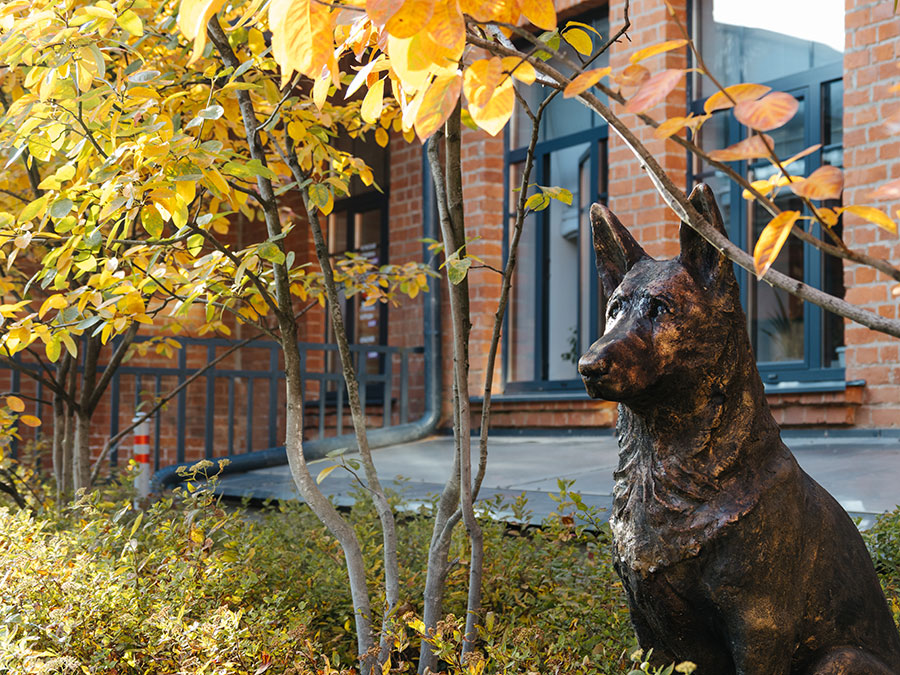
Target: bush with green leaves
191, 585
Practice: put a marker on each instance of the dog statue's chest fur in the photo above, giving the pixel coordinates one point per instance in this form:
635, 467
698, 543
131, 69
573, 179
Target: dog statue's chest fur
668, 502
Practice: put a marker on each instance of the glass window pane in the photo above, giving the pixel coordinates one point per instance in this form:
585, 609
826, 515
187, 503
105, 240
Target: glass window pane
562, 279
522, 337
763, 40
562, 116
775, 316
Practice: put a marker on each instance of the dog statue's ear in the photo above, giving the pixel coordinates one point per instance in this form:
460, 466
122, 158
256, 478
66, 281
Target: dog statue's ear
705, 263
616, 250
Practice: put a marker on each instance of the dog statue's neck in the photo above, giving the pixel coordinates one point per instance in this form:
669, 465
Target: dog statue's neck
684, 463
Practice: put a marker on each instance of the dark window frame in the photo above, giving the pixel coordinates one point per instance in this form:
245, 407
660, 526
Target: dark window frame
811, 85
596, 139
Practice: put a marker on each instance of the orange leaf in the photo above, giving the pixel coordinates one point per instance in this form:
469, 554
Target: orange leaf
654, 90
382, 10
873, 215
631, 77
15, 404
494, 115
447, 33
892, 123
800, 155
585, 81
541, 13
738, 92
481, 79
826, 182
675, 124
887, 191
749, 148
412, 17
653, 50
30, 420
506, 11
770, 112
828, 216
192, 19
438, 103
771, 240
302, 37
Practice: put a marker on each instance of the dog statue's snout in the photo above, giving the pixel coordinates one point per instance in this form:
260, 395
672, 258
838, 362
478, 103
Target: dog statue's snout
590, 366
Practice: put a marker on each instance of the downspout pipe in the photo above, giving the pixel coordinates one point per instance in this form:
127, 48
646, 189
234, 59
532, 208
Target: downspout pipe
378, 438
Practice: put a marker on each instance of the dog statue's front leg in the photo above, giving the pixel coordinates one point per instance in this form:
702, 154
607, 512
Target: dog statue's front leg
762, 642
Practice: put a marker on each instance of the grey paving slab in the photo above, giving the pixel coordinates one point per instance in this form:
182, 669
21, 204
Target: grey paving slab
862, 473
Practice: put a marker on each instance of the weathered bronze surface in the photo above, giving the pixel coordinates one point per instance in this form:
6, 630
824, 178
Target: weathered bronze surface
731, 556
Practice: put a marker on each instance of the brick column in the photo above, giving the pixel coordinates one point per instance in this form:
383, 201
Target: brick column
871, 158
631, 195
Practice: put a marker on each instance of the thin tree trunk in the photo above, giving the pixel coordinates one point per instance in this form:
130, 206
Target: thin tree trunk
81, 468
59, 426
379, 499
283, 309
461, 326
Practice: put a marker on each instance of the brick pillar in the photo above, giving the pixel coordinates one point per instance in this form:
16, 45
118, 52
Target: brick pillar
631, 195
871, 158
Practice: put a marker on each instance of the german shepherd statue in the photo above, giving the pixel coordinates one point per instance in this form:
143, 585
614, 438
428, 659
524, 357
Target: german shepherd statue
730, 555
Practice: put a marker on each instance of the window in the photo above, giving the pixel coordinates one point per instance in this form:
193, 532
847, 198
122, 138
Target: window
553, 311
358, 224
794, 341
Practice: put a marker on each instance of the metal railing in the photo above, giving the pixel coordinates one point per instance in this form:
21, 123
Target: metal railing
243, 407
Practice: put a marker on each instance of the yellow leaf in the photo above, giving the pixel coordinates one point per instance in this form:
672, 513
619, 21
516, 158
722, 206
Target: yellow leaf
447, 34
675, 124
519, 68
738, 92
481, 79
320, 89
580, 40
302, 37
131, 22
197, 535
192, 19
30, 420
15, 404
653, 50
56, 301
541, 13
382, 138
410, 18
437, 104
585, 81
494, 115
323, 474
873, 215
373, 103
771, 240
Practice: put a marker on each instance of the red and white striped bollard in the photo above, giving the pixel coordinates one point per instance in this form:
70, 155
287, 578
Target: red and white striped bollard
142, 457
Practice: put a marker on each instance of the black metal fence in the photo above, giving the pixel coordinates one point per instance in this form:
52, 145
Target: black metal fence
237, 405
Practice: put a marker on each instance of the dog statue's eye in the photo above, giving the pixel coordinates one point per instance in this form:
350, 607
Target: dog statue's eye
613, 308
657, 308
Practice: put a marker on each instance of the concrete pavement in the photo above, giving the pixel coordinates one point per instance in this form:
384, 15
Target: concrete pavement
861, 470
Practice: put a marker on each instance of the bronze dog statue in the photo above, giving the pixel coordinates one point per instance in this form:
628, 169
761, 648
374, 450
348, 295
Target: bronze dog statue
731, 556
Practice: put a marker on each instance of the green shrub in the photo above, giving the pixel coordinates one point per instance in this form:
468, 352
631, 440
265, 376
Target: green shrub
192, 586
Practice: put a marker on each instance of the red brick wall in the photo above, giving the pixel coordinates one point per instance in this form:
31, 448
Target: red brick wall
871, 157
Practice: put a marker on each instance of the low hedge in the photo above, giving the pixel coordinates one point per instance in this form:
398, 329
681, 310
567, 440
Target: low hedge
191, 586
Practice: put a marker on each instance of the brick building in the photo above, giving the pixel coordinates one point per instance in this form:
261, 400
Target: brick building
837, 57
840, 63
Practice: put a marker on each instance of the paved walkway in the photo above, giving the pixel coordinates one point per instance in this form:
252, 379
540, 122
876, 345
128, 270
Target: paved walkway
862, 472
